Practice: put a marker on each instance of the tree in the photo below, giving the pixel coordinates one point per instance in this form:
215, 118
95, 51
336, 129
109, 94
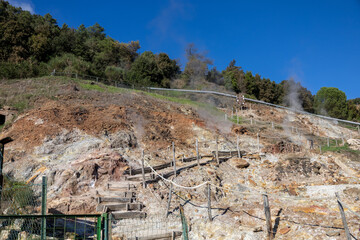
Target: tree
215, 76
168, 68
297, 96
115, 74
331, 101
144, 71
234, 78
196, 67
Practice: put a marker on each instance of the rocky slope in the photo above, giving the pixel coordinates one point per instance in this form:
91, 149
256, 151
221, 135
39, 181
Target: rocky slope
83, 137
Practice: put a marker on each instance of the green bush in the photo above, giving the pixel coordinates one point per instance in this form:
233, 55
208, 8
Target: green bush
69, 63
24, 69
115, 74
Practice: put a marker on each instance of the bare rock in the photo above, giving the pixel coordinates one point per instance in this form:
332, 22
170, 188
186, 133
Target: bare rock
123, 140
239, 163
354, 144
284, 230
257, 229
332, 233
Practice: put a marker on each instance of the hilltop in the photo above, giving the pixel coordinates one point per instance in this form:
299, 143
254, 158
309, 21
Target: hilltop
35, 45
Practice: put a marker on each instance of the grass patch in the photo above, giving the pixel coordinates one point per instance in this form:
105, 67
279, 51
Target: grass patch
172, 99
21, 105
84, 84
208, 107
234, 120
91, 87
348, 126
340, 149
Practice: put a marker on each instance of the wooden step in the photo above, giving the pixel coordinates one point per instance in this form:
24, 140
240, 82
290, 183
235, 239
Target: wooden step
119, 207
120, 193
161, 166
228, 153
180, 169
114, 199
139, 177
147, 169
118, 215
163, 236
122, 186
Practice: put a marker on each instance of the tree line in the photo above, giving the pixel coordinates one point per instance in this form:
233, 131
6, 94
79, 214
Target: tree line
34, 45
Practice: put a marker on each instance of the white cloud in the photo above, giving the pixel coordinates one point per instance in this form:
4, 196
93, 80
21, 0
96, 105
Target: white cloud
25, 5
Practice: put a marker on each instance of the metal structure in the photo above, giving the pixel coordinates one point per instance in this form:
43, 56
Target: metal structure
2, 151
90, 226
2, 119
255, 101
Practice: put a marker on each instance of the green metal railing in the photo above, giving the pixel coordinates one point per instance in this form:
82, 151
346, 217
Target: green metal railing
90, 226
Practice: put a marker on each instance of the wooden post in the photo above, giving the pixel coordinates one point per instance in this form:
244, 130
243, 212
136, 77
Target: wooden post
2, 152
169, 200
268, 217
142, 168
343, 218
197, 153
130, 170
237, 146
328, 142
209, 201
43, 207
217, 152
174, 162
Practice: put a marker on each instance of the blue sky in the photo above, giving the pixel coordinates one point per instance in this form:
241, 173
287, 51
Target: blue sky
315, 42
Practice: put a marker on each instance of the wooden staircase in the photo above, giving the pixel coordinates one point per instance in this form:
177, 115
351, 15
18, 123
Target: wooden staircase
120, 198
121, 201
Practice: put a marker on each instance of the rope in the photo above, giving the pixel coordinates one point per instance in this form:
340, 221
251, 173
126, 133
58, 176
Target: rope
358, 215
271, 194
236, 191
174, 183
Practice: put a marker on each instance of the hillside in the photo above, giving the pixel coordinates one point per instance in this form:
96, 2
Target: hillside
86, 137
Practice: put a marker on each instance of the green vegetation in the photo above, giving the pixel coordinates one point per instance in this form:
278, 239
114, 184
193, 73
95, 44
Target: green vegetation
340, 149
19, 195
34, 45
331, 101
235, 120
92, 87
